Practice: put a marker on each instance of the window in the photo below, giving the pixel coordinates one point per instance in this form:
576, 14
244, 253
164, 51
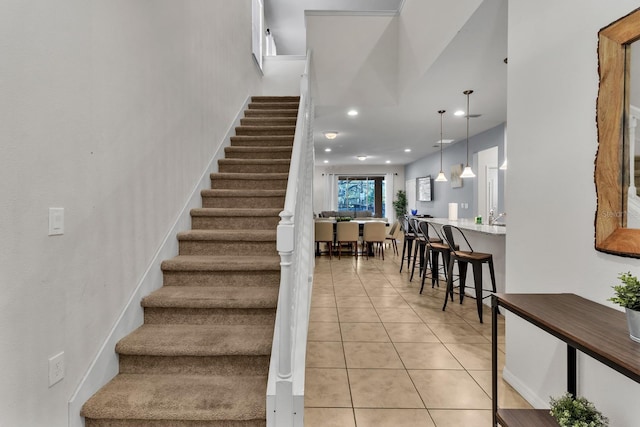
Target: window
358, 194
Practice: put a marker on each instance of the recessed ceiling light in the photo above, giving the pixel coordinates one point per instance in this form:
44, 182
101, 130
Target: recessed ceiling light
330, 134
326, 161
362, 158
388, 161
459, 113
352, 113
444, 141
327, 150
407, 150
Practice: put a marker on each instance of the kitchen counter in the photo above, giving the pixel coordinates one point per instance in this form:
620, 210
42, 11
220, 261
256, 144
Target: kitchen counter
468, 224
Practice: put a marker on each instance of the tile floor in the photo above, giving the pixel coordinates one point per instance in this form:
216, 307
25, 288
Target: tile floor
380, 354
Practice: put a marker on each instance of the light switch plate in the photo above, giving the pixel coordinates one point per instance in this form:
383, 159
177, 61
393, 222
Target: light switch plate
56, 221
56, 368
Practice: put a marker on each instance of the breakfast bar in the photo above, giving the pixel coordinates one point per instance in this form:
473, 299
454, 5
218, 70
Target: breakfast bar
482, 238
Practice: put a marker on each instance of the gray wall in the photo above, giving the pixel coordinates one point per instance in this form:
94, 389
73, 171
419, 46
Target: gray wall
443, 194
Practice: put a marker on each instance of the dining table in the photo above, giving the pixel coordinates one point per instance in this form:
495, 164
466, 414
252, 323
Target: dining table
360, 222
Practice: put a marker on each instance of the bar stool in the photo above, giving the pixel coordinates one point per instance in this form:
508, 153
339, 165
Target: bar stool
476, 259
347, 232
407, 244
420, 246
324, 234
435, 246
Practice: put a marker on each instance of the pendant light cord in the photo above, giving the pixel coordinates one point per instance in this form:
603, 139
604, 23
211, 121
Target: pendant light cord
468, 92
441, 112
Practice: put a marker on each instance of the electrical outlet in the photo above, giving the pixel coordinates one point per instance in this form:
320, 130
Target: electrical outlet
56, 368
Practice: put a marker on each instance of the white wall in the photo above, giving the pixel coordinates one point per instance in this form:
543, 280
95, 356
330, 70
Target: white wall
111, 109
282, 74
551, 200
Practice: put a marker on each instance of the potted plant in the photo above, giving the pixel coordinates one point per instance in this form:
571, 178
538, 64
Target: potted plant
400, 203
570, 411
627, 295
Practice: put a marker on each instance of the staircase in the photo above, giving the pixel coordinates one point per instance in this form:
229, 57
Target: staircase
201, 358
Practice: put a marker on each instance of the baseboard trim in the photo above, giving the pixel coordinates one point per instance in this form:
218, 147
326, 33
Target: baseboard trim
105, 365
524, 390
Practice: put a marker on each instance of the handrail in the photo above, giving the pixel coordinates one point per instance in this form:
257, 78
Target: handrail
285, 387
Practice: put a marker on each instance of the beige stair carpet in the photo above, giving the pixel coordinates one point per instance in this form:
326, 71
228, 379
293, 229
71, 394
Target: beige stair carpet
201, 358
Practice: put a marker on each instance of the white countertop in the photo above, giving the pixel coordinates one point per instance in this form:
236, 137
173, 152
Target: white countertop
468, 224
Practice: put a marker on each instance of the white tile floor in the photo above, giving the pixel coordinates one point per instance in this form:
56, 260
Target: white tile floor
380, 354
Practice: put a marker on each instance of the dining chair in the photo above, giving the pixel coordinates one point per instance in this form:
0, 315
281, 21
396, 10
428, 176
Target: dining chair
373, 232
392, 236
347, 232
324, 234
463, 258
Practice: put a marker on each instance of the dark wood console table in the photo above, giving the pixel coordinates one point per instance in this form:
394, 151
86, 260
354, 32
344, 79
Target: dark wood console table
594, 329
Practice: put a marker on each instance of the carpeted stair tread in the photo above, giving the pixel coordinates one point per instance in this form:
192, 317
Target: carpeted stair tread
261, 140
223, 192
280, 112
197, 340
265, 153
180, 397
212, 297
272, 99
228, 235
254, 162
243, 212
249, 176
273, 105
265, 130
268, 121
221, 263
269, 149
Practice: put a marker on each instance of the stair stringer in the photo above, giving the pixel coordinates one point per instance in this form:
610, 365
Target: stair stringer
104, 366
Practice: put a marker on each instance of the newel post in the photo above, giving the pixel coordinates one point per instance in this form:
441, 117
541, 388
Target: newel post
285, 246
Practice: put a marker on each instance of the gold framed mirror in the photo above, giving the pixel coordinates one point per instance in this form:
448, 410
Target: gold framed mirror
611, 176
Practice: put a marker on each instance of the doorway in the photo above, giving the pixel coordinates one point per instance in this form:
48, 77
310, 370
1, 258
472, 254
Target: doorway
488, 188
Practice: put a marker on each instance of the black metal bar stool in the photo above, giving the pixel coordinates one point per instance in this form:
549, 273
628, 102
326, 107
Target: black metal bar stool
421, 249
407, 243
463, 258
435, 246
419, 246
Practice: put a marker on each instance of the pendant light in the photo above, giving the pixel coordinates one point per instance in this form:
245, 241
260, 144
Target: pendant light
441, 177
467, 172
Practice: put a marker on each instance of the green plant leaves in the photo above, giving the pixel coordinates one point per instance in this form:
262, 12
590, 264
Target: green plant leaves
576, 412
627, 294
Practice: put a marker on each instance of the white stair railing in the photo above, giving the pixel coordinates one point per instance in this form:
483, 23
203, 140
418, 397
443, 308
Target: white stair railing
285, 387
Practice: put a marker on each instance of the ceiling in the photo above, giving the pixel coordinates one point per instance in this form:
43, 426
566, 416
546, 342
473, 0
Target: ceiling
397, 62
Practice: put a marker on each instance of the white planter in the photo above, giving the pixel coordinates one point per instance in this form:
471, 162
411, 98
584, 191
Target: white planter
633, 321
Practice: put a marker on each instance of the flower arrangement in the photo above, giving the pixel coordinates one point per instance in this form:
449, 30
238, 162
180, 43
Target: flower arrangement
570, 411
627, 294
